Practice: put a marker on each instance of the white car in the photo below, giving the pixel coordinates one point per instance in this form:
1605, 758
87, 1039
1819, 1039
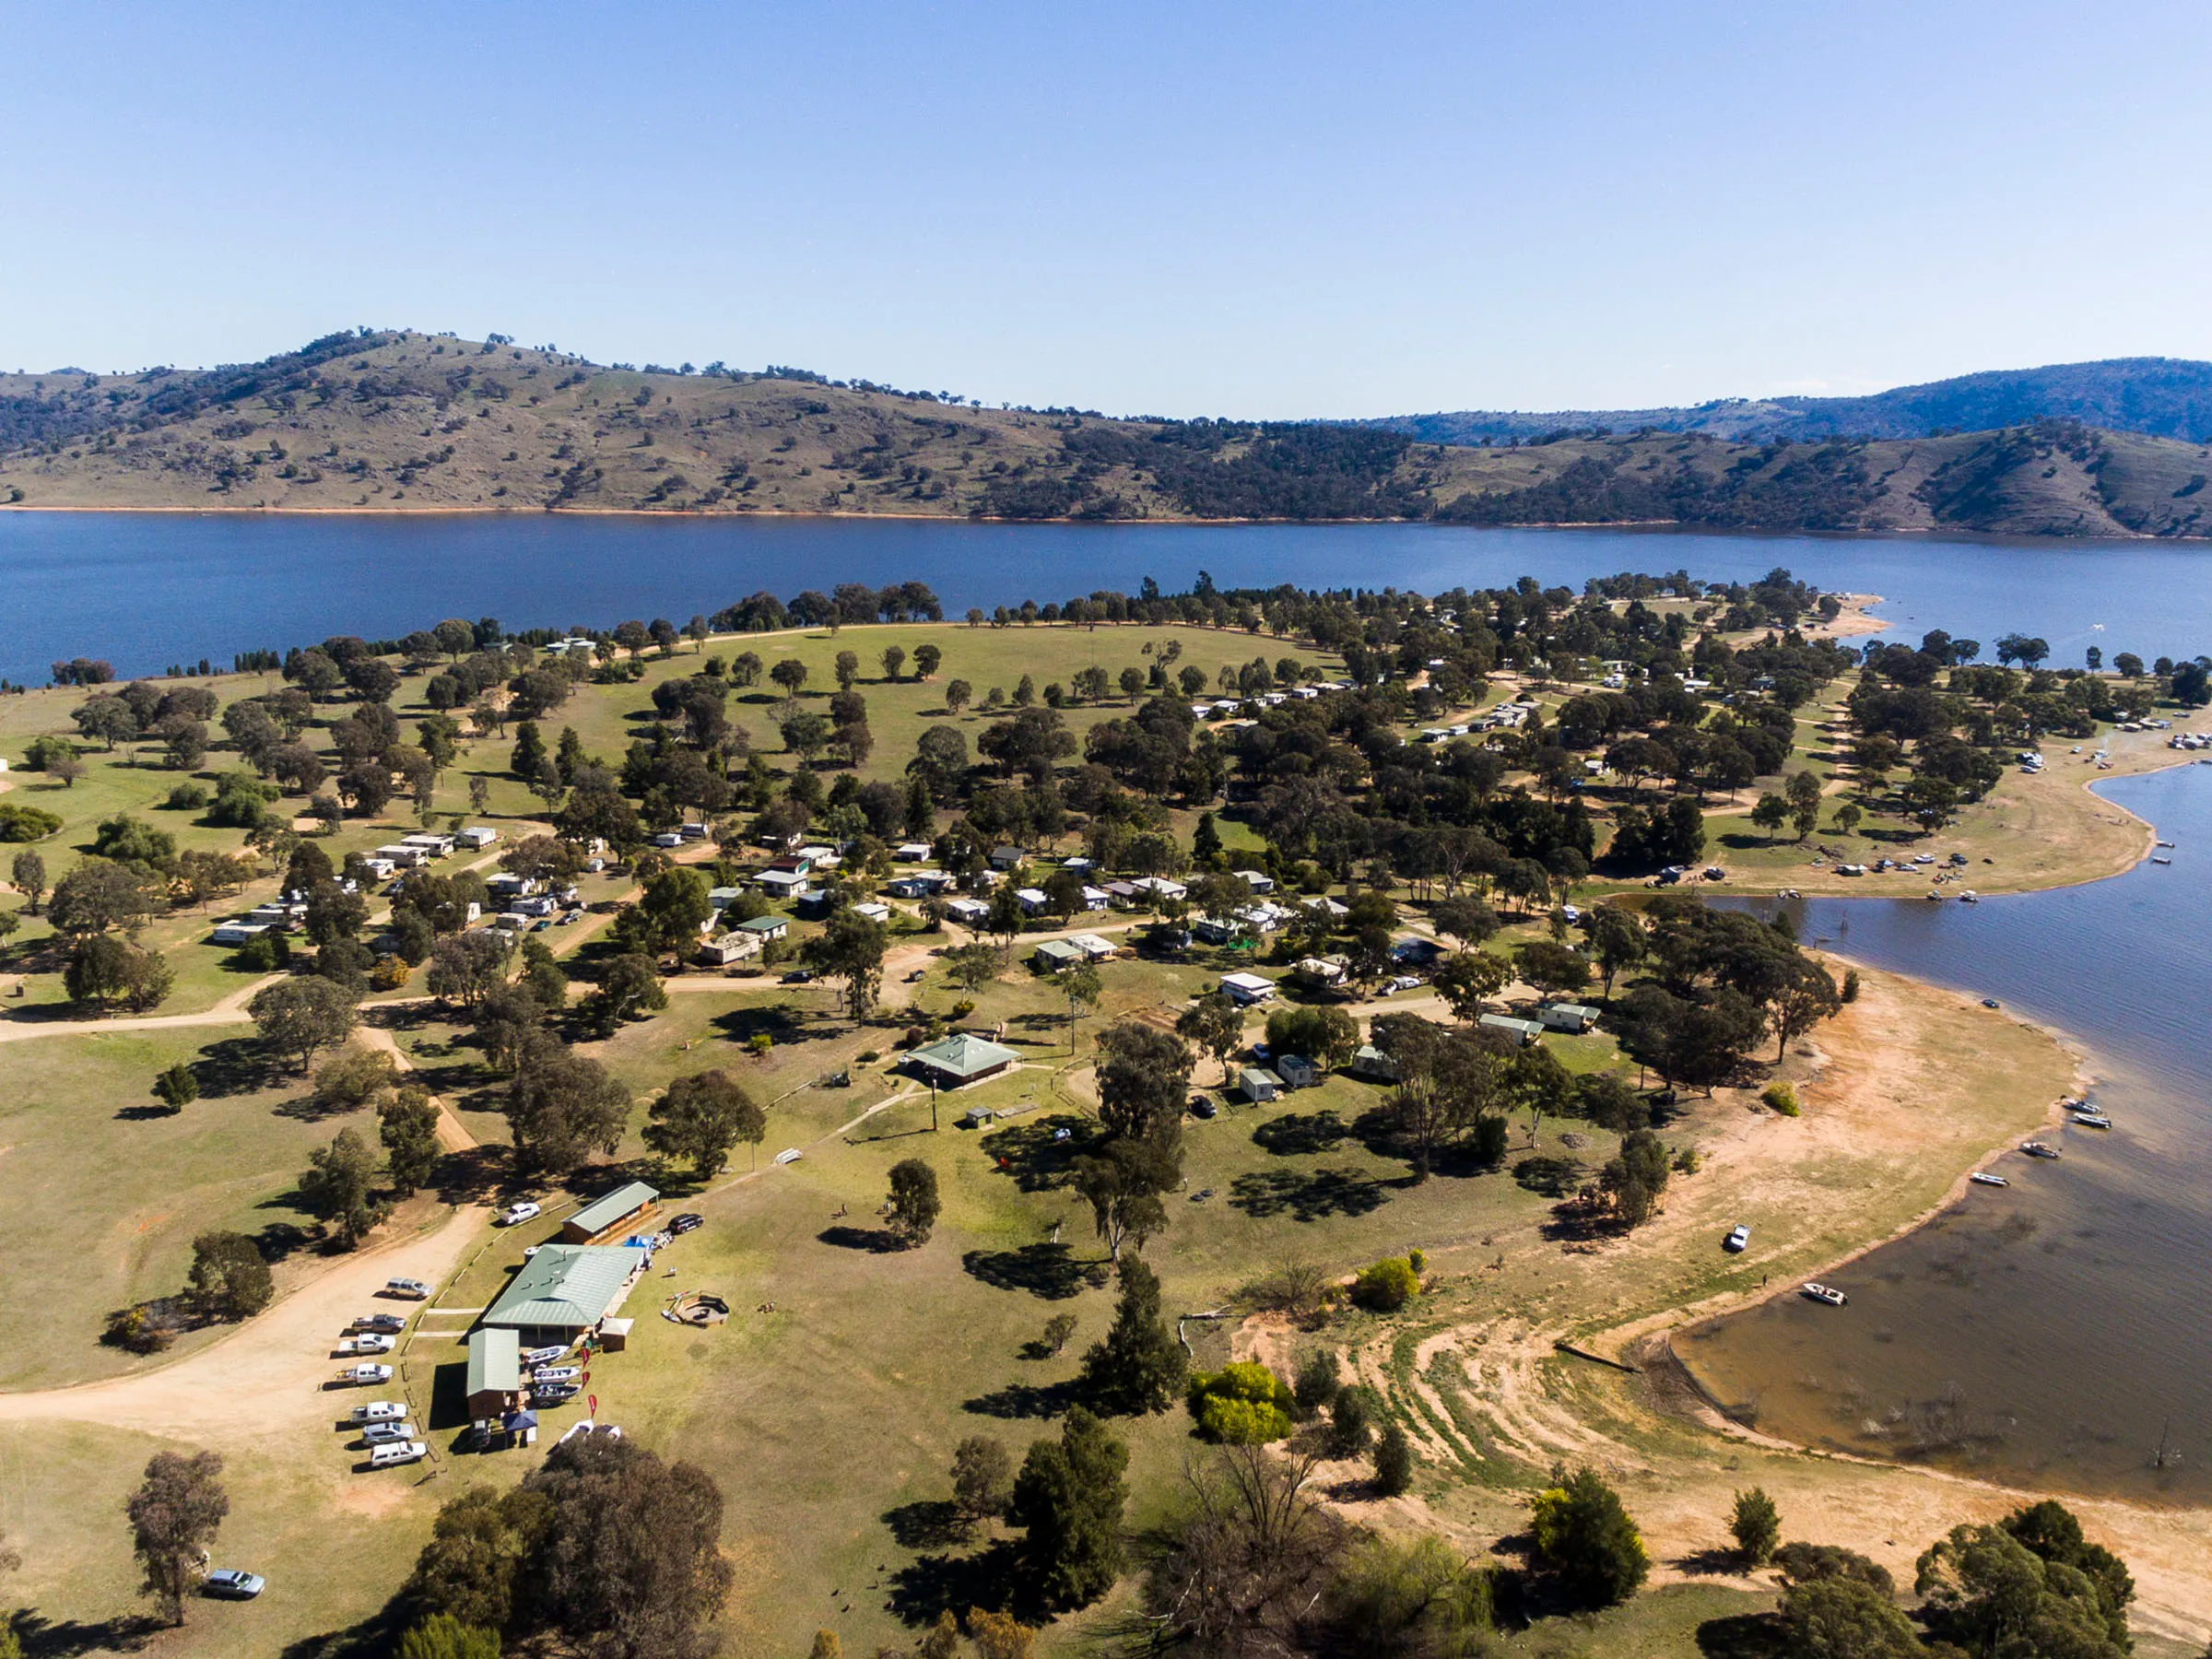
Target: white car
399, 1452
233, 1583
1404, 981
375, 1344
361, 1376
1739, 1238
384, 1434
412, 1289
514, 1215
380, 1411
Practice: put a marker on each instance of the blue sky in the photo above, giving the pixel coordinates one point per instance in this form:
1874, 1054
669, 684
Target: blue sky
1272, 209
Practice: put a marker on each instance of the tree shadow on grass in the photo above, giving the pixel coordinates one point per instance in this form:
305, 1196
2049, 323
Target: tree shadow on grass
1017, 1401
139, 1114
234, 1065
1743, 1636
56, 1639
926, 1524
780, 1024
946, 1582
472, 1176
306, 1109
1034, 1159
876, 1241
1049, 1271
1309, 1194
373, 1636
1298, 1133
1552, 1177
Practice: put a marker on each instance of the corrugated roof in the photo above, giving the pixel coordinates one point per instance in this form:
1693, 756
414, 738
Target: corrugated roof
568, 1285
605, 1211
964, 1056
494, 1362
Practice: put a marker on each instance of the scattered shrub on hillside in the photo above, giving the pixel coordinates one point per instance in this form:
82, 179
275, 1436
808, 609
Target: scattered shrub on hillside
187, 797
1781, 1097
1586, 1541
1394, 1461
1851, 985
1387, 1285
21, 823
1242, 1403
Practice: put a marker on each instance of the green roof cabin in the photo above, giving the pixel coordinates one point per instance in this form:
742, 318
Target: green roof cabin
566, 1289
614, 1212
495, 1373
961, 1059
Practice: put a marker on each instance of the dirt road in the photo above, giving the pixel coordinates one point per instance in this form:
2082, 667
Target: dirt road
267, 1378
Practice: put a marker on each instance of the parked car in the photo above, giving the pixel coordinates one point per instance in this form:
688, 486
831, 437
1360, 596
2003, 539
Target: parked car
399, 1452
1203, 1107
234, 1583
1404, 982
384, 1434
391, 1324
1739, 1238
798, 976
514, 1215
374, 1343
361, 1376
380, 1411
410, 1289
690, 1221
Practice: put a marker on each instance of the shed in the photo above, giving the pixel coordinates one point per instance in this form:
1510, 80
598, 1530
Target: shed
1370, 1062
873, 910
961, 1059
614, 1335
1297, 1071
1052, 955
1523, 1031
731, 948
1247, 988
1256, 1085
566, 1289
495, 1373
621, 1209
1568, 1016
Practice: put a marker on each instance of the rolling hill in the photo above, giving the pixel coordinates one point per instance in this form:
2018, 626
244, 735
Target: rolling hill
402, 421
2161, 398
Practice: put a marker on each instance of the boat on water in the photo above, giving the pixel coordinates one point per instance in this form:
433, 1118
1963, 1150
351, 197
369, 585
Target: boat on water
1985, 1179
2165, 843
2091, 1119
1935, 895
1970, 896
1826, 1294
2163, 860
2039, 1150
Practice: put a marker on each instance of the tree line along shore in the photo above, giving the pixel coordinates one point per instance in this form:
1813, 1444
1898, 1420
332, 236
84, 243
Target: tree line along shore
401, 421
1392, 837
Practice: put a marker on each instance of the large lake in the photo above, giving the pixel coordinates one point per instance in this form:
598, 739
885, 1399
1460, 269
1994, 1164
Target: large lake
2052, 1332
145, 590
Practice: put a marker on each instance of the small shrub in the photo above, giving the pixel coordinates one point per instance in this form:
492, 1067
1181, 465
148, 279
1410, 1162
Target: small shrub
187, 797
1418, 1261
1241, 1404
137, 1330
868, 1057
1386, 1286
1779, 1097
1585, 1539
1688, 1161
1755, 1525
21, 823
1851, 985
759, 1043
965, 1007
1351, 1423
389, 974
262, 955
1317, 1381
1394, 1461
178, 1087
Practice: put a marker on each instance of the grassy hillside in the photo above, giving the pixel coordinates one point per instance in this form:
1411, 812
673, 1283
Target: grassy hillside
408, 422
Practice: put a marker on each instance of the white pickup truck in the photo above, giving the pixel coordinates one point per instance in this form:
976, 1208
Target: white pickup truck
361, 1376
377, 1344
399, 1452
380, 1411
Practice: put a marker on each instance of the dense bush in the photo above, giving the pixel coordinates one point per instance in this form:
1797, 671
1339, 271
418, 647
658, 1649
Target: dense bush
21, 823
1387, 1286
1242, 1403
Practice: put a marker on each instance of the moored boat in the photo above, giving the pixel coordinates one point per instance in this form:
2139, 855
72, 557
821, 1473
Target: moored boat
2091, 1119
2039, 1150
1826, 1294
1986, 1179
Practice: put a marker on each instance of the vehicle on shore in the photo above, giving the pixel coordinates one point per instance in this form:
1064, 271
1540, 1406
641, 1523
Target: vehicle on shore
1739, 1239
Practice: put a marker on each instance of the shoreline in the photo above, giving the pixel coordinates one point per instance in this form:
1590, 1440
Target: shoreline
1939, 532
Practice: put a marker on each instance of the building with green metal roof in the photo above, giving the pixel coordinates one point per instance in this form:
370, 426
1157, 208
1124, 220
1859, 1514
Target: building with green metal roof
495, 1373
609, 1212
566, 1288
961, 1059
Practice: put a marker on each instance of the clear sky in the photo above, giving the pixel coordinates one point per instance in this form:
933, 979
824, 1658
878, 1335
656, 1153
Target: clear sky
1265, 210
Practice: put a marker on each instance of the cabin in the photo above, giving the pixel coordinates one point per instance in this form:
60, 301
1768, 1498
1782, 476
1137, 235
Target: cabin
1096, 899
1568, 1016
237, 931
1005, 857
1415, 952
477, 837
960, 1060
1095, 947
565, 1290
1162, 888
494, 1375
731, 948
1124, 895
1321, 971
1297, 1071
780, 884
1321, 905
1245, 989
619, 1211
507, 885
968, 912
1032, 900
401, 856
910, 852
1523, 1031
1213, 929
1371, 1063
767, 929
873, 910
1257, 1085
437, 846
722, 897
1259, 881
1053, 956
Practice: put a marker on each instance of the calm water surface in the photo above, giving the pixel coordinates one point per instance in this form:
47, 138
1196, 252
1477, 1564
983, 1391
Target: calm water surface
2051, 1331
145, 589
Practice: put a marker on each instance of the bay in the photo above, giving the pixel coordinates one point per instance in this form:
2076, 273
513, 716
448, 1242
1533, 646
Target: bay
2051, 1332
147, 590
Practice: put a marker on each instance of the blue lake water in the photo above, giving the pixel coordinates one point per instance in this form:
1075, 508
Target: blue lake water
145, 589
2052, 1332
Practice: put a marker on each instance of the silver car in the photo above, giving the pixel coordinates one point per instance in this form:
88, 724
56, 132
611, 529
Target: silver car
383, 1434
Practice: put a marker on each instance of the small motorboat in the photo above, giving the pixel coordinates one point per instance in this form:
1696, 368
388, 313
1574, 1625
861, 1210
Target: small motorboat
1970, 896
1983, 1178
2165, 843
2039, 1150
1826, 1294
2163, 860
2091, 1119
1990, 1002
1935, 895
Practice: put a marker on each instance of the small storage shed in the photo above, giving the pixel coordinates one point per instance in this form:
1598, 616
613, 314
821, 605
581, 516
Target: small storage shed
1247, 988
1258, 1086
1569, 1017
1297, 1071
495, 1373
1523, 1031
